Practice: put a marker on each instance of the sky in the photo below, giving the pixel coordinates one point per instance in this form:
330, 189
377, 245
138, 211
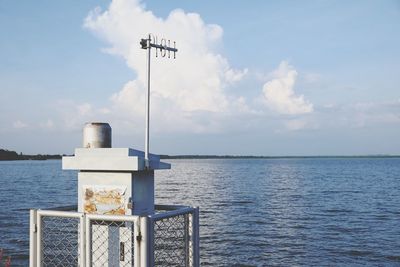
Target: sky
271, 78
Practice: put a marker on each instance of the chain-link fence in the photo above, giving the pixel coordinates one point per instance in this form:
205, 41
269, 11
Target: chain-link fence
112, 243
55, 238
167, 238
171, 241
175, 236
60, 237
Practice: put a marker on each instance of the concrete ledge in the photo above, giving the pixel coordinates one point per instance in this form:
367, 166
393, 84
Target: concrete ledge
111, 159
103, 163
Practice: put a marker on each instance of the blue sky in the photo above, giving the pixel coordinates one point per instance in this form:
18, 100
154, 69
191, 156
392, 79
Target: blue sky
259, 77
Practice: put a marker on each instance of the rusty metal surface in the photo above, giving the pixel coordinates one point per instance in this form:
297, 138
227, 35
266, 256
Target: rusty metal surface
105, 200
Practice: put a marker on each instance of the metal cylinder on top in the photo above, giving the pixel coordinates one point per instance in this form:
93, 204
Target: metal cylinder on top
97, 135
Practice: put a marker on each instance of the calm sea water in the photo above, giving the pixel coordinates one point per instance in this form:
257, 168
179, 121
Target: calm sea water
275, 212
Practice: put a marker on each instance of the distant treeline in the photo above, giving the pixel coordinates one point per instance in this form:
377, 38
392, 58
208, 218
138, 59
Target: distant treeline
269, 157
209, 157
12, 155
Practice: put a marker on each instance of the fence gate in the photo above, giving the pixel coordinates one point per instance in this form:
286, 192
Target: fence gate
56, 238
111, 240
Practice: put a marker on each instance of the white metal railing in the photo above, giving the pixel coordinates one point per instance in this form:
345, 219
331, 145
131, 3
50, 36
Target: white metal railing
68, 238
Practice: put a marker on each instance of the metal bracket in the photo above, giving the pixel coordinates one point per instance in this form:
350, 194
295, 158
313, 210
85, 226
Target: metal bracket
139, 237
121, 251
130, 204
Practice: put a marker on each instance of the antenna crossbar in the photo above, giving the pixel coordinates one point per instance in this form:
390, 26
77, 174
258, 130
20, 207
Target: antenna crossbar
152, 42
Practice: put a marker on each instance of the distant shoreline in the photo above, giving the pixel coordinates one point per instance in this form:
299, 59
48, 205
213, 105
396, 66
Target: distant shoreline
7, 155
271, 157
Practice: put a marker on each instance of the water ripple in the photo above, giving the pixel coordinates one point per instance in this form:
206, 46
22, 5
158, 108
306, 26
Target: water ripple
280, 212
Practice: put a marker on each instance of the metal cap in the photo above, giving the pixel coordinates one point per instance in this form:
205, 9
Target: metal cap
97, 135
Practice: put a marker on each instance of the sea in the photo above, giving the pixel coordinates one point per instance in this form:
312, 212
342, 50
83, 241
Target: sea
253, 212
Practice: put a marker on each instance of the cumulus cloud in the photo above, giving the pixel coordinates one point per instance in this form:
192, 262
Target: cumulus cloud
19, 124
192, 84
191, 93
279, 93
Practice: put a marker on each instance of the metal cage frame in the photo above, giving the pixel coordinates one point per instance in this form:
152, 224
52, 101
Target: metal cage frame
176, 228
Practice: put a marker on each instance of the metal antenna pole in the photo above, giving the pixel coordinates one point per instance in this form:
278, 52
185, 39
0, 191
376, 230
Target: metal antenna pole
163, 47
146, 155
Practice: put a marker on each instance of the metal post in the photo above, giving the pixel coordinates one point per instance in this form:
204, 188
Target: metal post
39, 249
187, 240
88, 241
137, 235
146, 155
32, 238
196, 238
147, 44
82, 241
146, 245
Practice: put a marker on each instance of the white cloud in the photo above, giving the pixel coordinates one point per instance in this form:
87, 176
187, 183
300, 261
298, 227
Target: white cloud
49, 124
233, 76
296, 124
311, 77
192, 84
19, 124
74, 115
84, 109
190, 93
366, 114
279, 92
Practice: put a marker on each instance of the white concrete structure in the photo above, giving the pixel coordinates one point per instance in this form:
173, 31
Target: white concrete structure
114, 223
118, 169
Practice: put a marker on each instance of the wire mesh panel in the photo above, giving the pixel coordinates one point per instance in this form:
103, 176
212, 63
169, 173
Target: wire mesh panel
111, 243
168, 238
60, 241
173, 241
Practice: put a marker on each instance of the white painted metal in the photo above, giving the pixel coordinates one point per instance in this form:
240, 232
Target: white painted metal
180, 210
88, 244
39, 253
145, 242
82, 241
137, 243
148, 44
196, 237
64, 214
187, 240
143, 226
32, 238
123, 235
116, 218
147, 163
56, 213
